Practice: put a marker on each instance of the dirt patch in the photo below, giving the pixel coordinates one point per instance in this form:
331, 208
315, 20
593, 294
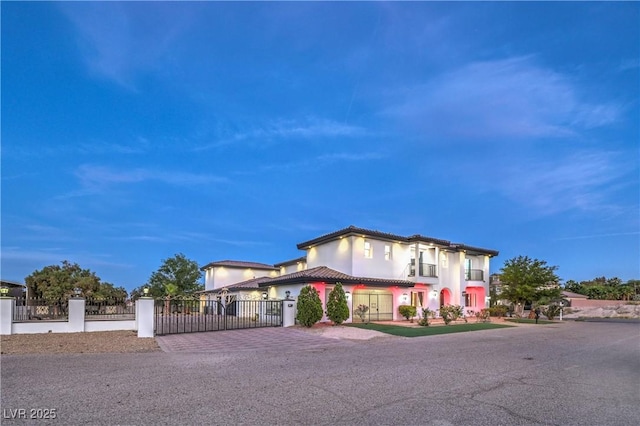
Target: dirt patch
89, 343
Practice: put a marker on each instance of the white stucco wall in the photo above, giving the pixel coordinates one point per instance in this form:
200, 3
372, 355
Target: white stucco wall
295, 267
223, 276
377, 266
333, 254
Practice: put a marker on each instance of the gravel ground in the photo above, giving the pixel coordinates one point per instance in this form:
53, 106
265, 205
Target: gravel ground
79, 343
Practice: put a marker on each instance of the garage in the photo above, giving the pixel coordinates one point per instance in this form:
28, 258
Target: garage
380, 303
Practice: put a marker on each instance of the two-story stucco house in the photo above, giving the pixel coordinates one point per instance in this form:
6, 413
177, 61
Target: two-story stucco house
377, 269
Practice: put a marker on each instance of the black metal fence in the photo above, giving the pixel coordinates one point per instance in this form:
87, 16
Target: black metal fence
39, 309
190, 316
109, 309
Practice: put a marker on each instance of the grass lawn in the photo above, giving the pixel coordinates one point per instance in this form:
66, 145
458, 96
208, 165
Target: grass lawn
398, 330
528, 321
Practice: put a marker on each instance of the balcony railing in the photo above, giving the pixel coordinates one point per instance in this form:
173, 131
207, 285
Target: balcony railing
474, 275
424, 270
428, 270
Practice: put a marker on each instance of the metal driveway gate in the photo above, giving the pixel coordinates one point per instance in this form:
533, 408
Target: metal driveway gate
380, 305
190, 316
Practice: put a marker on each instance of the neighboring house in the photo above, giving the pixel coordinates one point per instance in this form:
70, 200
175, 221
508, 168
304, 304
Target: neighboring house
572, 297
377, 269
16, 290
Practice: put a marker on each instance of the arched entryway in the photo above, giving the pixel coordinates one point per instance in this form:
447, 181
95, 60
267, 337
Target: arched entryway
445, 297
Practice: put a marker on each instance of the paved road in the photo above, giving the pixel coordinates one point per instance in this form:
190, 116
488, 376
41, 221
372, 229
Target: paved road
565, 374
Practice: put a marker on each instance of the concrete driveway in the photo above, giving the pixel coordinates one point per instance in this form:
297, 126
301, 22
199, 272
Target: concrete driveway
255, 339
561, 374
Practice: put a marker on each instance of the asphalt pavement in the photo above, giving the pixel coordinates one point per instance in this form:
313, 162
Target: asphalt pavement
573, 373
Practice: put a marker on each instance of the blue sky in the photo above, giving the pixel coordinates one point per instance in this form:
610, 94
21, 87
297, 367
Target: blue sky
134, 131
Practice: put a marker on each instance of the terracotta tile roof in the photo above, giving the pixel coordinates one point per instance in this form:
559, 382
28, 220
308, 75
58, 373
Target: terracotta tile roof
418, 237
354, 230
322, 273
292, 261
572, 295
243, 285
239, 264
475, 250
349, 231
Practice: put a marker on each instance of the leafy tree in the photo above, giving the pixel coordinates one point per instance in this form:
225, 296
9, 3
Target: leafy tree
309, 306
604, 288
57, 282
337, 307
178, 276
573, 286
528, 280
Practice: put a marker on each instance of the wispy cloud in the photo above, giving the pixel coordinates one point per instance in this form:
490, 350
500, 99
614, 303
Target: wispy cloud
95, 179
349, 156
98, 148
583, 181
120, 39
597, 236
45, 256
309, 128
502, 99
92, 176
324, 160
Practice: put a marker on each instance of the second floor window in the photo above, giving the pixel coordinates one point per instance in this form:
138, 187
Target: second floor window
387, 252
368, 251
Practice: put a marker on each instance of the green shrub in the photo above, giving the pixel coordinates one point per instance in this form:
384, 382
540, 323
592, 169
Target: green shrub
407, 311
309, 306
498, 311
427, 314
451, 313
551, 311
337, 307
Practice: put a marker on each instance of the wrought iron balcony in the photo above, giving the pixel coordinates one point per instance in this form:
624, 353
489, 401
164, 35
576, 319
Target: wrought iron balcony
428, 270
474, 275
424, 270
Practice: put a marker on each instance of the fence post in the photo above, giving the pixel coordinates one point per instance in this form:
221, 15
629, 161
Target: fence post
7, 305
145, 316
288, 313
76, 314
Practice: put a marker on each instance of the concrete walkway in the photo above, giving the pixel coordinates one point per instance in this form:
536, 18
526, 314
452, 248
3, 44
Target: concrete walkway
255, 339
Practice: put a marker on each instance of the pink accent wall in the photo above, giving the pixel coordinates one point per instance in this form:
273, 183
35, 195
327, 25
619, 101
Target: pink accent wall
479, 293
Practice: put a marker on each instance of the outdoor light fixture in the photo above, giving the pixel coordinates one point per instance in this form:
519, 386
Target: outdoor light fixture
287, 294
77, 291
265, 295
404, 297
145, 291
4, 291
347, 294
